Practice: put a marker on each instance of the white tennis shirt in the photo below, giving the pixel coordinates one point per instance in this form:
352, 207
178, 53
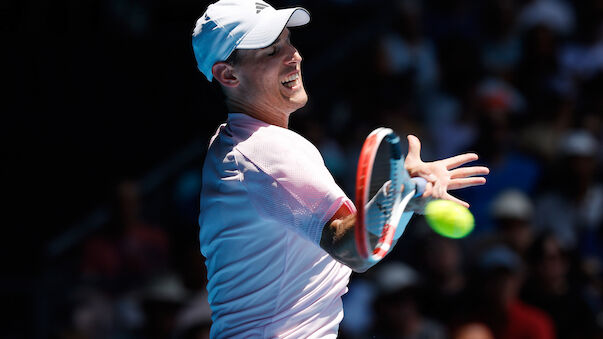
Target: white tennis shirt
265, 199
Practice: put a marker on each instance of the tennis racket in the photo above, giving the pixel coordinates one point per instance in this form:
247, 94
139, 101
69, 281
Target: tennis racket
379, 178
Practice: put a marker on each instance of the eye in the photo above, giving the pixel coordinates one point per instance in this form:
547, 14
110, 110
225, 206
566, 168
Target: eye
273, 52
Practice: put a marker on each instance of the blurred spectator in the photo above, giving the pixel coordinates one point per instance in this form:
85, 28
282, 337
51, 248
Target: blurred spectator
501, 49
127, 249
494, 290
194, 320
584, 61
186, 197
556, 15
397, 309
541, 133
161, 302
452, 130
496, 96
549, 288
539, 65
573, 203
91, 315
472, 331
358, 308
582, 56
512, 212
405, 53
452, 18
410, 68
591, 108
440, 263
509, 167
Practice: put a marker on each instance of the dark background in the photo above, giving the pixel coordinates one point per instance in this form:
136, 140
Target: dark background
97, 92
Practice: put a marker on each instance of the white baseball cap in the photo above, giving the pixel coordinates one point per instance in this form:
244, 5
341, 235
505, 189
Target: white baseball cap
512, 203
578, 143
395, 276
239, 24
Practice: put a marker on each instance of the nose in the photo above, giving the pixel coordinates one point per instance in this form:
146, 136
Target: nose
293, 55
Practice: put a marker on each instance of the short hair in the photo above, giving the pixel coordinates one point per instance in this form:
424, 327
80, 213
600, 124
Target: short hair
234, 58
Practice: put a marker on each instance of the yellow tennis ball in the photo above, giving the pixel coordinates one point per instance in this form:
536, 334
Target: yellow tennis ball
449, 219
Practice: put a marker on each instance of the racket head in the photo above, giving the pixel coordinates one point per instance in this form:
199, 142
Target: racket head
380, 161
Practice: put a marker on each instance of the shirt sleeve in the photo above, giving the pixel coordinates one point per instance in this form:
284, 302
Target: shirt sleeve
297, 191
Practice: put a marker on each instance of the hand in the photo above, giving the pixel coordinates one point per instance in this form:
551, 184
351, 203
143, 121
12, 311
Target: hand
443, 175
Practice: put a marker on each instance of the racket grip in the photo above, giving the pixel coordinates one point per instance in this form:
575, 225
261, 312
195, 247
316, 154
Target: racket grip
419, 183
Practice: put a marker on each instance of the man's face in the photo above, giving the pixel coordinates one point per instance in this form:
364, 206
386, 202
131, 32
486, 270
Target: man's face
270, 78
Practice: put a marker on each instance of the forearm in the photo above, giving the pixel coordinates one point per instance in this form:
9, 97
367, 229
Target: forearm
338, 239
339, 235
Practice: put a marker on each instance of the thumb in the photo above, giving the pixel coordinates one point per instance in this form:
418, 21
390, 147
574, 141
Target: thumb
414, 147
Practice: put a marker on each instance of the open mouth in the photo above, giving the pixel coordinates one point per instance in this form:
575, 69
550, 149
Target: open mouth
291, 81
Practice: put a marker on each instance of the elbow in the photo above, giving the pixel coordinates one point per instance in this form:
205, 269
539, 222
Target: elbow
360, 269
360, 266
351, 259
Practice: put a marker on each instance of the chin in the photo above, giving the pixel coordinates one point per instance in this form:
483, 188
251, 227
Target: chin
297, 101
302, 97
300, 102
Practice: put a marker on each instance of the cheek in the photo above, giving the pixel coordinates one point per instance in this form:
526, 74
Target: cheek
258, 81
265, 78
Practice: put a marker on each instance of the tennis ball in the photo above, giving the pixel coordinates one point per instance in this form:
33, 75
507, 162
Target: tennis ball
449, 219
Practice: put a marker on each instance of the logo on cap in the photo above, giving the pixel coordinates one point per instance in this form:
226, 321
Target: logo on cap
259, 7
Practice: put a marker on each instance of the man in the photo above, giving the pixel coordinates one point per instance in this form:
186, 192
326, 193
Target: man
276, 230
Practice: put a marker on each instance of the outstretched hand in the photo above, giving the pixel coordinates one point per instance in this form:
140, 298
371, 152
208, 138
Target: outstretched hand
443, 175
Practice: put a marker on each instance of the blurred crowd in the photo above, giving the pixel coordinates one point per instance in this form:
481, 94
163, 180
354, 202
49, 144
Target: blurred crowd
520, 82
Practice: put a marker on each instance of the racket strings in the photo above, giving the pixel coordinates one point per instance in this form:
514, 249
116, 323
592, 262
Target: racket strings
378, 193
381, 191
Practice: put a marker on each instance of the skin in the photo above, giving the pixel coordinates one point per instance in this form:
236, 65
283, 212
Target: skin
254, 86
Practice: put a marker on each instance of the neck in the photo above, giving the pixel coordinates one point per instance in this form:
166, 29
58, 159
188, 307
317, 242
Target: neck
266, 114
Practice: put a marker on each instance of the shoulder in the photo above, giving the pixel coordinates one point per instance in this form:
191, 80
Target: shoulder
278, 152
533, 319
269, 140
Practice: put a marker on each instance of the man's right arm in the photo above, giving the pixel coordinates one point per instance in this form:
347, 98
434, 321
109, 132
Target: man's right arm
338, 236
338, 239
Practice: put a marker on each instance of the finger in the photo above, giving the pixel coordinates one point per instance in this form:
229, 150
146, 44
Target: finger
458, 201
456, 184
459, 160
439, 190
414, 147
442, 190
464, 172
428, 190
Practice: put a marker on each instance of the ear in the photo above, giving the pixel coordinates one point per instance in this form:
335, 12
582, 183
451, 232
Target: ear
224, 73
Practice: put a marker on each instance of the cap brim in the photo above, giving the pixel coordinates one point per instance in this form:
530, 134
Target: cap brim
270, 27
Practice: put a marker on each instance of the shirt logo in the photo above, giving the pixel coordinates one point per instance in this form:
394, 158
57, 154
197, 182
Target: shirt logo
259, 7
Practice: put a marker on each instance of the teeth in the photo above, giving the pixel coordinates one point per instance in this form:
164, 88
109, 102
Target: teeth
291, 78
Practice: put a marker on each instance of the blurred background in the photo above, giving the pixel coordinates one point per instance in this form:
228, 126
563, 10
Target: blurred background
106, 121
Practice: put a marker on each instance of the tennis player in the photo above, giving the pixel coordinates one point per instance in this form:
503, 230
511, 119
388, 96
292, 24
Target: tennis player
276, 231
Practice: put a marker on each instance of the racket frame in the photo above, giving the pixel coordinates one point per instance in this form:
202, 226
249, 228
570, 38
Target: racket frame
363, 177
